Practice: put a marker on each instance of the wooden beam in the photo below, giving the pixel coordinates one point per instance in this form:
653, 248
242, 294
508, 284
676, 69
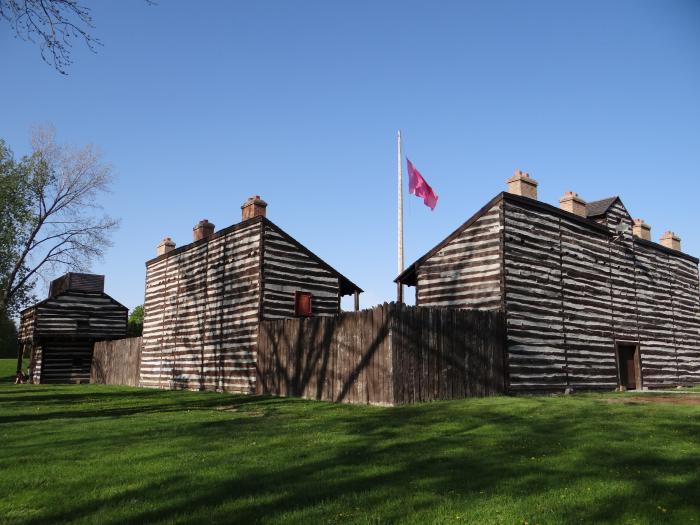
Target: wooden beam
20, 354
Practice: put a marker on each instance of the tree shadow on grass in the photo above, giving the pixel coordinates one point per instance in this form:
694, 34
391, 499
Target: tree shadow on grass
100, 404
446, 452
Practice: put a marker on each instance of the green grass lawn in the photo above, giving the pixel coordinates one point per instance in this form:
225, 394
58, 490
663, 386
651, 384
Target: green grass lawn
112, 455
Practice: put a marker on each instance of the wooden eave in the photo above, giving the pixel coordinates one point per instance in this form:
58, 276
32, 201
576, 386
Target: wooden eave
664, 249
408, 276
347, 287
215, 235
584, 221
31, 307
90, 294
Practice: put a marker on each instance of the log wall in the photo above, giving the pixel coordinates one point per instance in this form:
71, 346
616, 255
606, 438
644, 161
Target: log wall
669, 317
533, 281
116, 362
622, 262
573, 292
204, 300
466, 273
288, 269
26, 325
686, 313
391, 354
65, 361
586, 307
74, 314
82, 282
201, 314
35, 358
60, 332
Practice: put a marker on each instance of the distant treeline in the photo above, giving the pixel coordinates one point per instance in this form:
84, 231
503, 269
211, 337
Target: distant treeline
8, 338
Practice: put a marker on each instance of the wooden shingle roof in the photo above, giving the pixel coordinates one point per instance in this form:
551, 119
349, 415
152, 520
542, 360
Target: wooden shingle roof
597, 208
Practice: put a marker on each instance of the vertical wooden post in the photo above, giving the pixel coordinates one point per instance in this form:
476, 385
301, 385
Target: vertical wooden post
357, 301
20, 354
399, 293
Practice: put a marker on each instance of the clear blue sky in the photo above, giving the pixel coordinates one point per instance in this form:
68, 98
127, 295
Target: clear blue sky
199, 105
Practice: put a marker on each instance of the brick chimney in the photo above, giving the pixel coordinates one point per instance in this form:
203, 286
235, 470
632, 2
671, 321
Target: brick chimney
521, 184
671, 240
253, 207
165, 246
203, 229
641, 229
573, 203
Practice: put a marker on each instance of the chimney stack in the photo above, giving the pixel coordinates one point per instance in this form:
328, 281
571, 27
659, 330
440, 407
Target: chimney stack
521, 184
573, 203
165, 246
253, 207
641, 229
671, 240
203, 229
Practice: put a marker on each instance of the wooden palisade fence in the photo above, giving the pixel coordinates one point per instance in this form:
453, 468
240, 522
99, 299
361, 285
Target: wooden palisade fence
116, 362
387, 355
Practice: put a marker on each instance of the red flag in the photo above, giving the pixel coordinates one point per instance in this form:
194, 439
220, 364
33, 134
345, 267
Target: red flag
418, 187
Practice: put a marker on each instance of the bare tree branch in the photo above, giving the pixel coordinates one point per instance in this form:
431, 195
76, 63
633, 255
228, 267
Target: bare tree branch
69, 231
55, 24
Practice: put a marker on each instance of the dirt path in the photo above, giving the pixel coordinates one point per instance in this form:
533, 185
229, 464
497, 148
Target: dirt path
675, 399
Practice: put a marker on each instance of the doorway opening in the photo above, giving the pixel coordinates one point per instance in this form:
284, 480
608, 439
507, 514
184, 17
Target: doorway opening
628, 366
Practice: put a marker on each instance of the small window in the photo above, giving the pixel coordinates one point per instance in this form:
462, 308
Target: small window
302, 304
82, 324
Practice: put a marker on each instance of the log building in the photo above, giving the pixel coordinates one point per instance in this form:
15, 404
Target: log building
60, 330
590, 301
204, 301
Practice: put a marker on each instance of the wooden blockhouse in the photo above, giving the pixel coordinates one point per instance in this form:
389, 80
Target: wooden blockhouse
204, 301
60, 330
590, 301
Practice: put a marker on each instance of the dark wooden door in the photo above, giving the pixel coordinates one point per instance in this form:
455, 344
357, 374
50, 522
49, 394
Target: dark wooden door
627, 359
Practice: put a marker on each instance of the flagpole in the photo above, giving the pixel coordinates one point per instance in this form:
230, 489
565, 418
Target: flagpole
399, 287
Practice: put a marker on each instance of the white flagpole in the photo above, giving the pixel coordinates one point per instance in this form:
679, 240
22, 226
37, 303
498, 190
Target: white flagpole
399, 289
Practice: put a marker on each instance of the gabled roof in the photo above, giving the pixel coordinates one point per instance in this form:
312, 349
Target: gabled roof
594, 209
347, 287
408, 276
76, 292
601, 207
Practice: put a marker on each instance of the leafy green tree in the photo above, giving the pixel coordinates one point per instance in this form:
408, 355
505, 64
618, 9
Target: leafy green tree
15, 222
50, 220
8, 337
135, 326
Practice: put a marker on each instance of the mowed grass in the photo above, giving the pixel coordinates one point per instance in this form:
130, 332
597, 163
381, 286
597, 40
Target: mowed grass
108, 455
